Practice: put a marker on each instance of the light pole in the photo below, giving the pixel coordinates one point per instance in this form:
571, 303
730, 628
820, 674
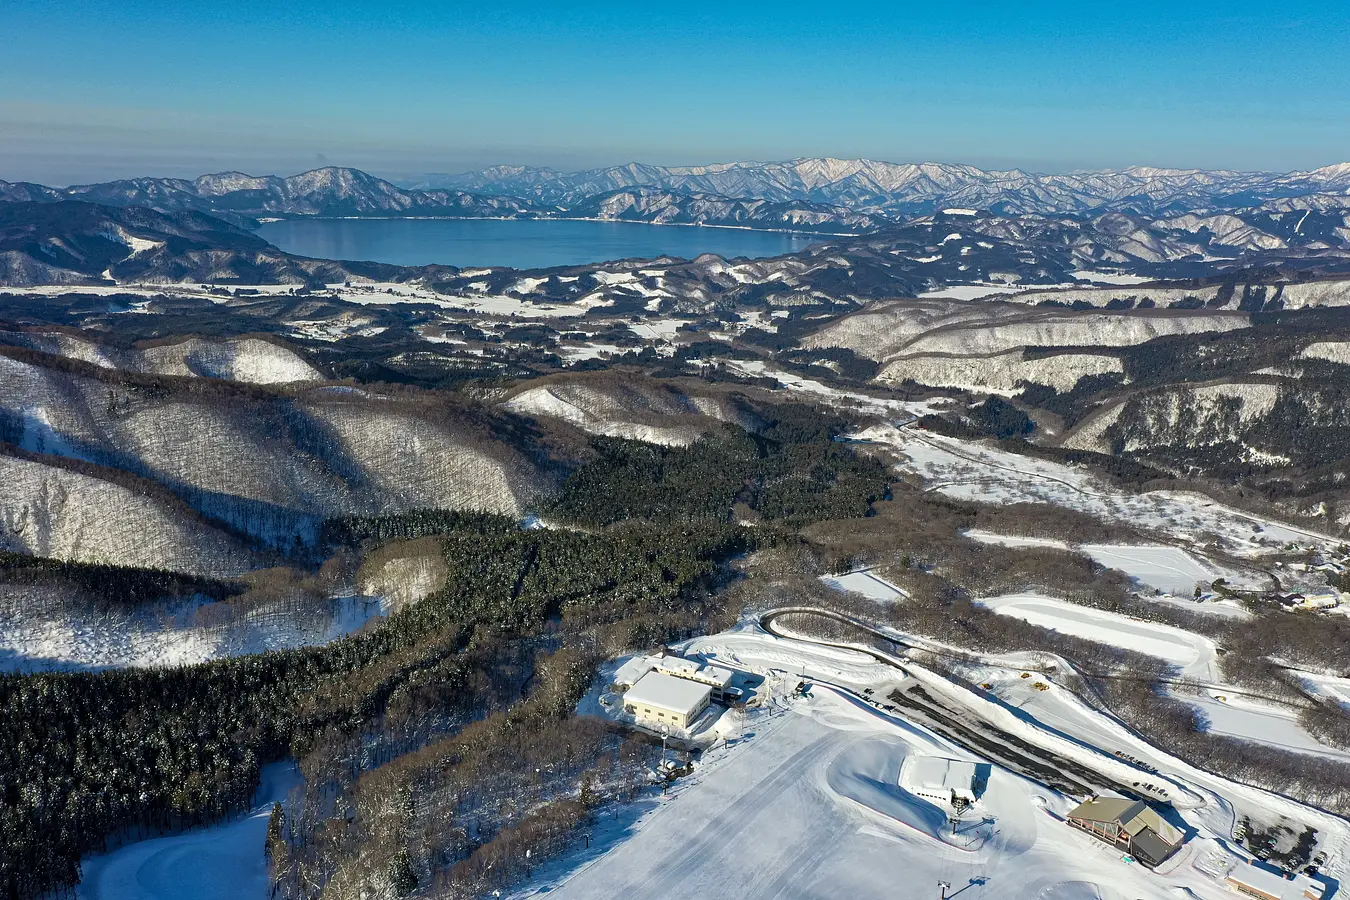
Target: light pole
944, 887
665, 772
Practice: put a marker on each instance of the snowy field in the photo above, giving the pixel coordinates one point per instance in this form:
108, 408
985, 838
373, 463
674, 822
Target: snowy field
968, 470
806, 801
1263, 723
867, 583
1194, 656
1169, 570
1329, 687
223, 862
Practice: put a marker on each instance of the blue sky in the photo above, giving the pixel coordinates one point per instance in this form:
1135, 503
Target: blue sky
96, 90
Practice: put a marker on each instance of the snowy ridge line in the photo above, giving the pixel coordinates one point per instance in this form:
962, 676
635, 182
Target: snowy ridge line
1115, 770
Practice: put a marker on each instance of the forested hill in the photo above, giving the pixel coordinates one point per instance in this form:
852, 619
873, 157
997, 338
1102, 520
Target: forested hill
75, 242
502, 651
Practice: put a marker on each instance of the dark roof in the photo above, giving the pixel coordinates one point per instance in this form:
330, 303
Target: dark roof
1108, 809
1151, 847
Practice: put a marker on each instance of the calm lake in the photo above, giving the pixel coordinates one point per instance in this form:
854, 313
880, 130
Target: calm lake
521, 244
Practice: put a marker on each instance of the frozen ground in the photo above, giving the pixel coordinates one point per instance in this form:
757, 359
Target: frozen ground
972, 471
223, 862
1193, 655
182, 634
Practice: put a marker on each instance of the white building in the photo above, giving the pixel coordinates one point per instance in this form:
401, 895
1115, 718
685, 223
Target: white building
1254, 881
1320, 601
716, 678
944, 781
660, 699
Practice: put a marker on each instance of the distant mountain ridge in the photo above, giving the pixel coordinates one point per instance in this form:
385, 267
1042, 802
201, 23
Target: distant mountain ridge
829, 196
871, 186
331, 191
335, 192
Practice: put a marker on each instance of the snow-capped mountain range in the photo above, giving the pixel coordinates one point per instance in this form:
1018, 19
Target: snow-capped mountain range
904, 188
330, 191
820, 195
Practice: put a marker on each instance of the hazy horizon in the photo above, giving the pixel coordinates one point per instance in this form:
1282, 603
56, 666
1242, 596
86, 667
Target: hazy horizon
300, 167
419, 87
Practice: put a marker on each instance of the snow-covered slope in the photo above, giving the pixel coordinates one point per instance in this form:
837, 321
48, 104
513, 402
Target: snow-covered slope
249, 360
640, 409
54, 634
1004, 373
1275, 295
273, 466
46, 510
1068, 330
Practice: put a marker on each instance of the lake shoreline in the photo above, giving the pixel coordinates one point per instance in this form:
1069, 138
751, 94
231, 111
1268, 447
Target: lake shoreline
519, 243
795, 231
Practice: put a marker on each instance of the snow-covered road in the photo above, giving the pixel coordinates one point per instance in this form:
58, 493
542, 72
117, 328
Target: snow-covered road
222, 862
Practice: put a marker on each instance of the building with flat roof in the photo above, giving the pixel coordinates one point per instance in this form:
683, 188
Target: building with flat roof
715, 677
947, 781
1253, 880
1131, 825
660, 699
